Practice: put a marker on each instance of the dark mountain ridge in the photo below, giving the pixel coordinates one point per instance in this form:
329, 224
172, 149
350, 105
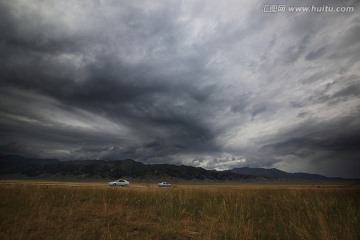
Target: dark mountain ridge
127, 168
278, 174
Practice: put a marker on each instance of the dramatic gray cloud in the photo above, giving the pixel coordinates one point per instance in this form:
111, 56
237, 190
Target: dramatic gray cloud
215, 84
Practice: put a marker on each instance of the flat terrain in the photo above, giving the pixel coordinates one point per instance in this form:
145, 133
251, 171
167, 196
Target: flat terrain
77, 210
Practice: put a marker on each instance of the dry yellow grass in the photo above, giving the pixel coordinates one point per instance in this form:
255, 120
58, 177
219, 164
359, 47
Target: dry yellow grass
64, 210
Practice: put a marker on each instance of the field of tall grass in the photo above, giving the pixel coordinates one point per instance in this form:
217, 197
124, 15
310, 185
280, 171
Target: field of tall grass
232, 211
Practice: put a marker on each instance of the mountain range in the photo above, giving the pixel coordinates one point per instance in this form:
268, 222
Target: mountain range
128, 168
274, 173
99, 169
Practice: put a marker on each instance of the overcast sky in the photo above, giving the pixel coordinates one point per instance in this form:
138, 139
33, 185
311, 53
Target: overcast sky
213, 84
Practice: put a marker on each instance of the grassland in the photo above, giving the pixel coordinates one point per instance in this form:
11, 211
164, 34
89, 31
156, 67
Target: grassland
60, 210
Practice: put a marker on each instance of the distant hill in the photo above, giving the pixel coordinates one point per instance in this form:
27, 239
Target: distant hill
278, 174
128, 168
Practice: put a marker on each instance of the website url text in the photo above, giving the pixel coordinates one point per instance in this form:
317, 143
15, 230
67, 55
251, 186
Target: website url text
277, 8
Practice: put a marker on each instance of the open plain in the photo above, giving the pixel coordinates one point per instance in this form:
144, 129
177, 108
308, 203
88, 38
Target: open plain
77, 210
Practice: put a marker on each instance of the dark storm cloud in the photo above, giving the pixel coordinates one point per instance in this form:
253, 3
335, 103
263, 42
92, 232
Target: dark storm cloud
326, 93
201, 83
293, 52
322, 144
316, 54
138, 95
352, 90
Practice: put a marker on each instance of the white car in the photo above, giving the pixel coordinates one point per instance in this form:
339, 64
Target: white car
164, 184
119, 182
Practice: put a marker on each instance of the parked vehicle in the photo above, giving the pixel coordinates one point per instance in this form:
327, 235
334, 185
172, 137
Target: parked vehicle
164, 184
119, 182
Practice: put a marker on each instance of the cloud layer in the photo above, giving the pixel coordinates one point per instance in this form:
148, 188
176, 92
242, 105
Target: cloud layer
204, 83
